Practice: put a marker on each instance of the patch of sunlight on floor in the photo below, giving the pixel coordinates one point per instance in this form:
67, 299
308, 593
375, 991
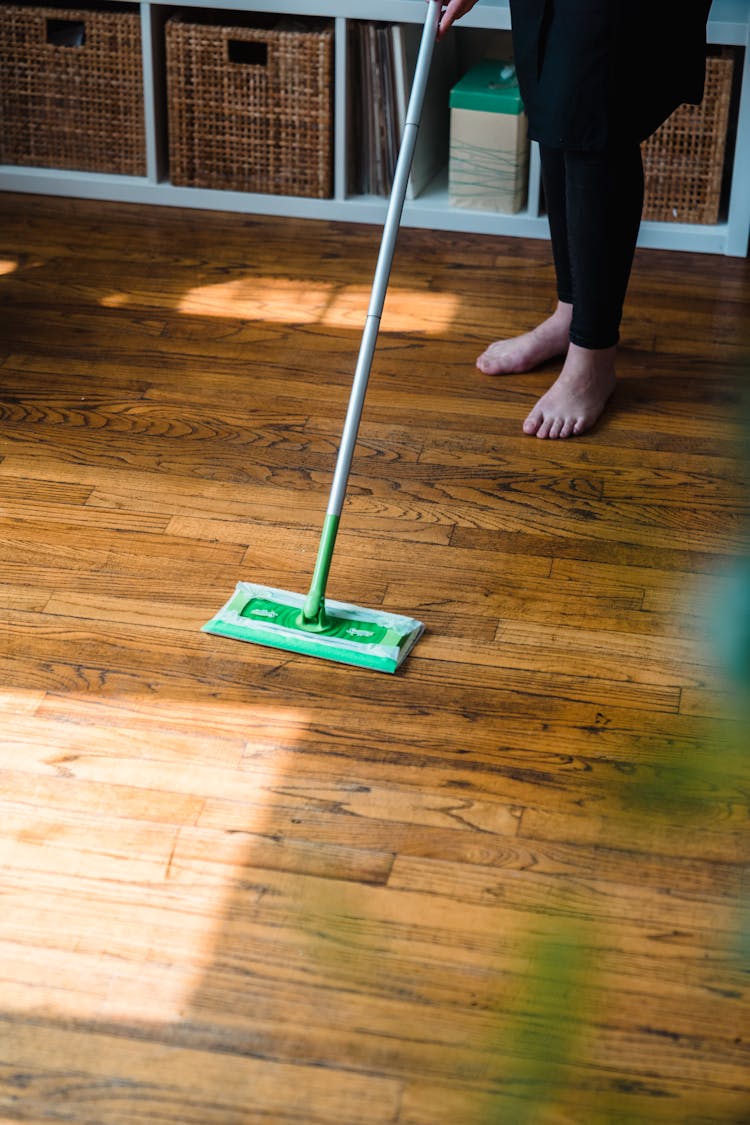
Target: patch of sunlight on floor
289, 301
126, 825
8, 265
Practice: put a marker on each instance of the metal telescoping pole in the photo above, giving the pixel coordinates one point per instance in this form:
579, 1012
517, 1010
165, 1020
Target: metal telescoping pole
314, 605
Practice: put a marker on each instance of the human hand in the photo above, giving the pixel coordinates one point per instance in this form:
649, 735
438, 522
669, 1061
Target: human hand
452, 11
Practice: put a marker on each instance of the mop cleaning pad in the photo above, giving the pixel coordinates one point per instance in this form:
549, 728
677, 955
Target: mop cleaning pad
368, 638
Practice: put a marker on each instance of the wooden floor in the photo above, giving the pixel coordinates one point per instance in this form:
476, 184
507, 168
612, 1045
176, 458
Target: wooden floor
240, 886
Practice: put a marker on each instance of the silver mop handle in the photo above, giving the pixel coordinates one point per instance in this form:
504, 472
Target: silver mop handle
385, 259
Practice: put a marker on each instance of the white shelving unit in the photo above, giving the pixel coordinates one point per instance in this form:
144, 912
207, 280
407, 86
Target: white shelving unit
729, 24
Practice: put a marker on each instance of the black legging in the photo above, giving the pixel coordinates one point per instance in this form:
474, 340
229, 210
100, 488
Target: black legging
594, 203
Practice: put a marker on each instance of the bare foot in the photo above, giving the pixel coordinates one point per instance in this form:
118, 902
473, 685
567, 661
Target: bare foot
578, 396
522, 353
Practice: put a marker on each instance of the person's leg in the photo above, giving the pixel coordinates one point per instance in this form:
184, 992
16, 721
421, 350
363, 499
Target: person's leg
604, 205
551, 337
604, 201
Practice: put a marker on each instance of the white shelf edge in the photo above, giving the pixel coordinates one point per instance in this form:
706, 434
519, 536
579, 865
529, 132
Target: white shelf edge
684, 236
429, 211
729, 21
492, 14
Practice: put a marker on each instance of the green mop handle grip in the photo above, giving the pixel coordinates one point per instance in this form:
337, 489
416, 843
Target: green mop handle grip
315, 603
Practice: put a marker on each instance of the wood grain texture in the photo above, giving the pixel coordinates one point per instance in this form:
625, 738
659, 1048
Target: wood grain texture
241, 887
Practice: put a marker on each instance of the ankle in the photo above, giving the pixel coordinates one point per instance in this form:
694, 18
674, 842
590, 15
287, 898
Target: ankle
597, 364
557, 326
563, 313
592, 355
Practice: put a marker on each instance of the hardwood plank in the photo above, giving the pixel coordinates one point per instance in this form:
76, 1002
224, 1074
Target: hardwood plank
589, 900
23, 596
724, 842
119, 1077
30, 792
714, 703
138, 543
65, 844
612, 1099
588, 550
23, 490
79, 517
518, 644
47, 743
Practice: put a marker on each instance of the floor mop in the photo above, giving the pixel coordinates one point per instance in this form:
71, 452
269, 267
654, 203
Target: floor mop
313, 624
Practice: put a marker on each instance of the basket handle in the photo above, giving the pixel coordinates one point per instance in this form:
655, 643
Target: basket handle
65, 32
247, 52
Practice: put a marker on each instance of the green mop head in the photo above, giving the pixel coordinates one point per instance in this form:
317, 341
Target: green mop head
368, 638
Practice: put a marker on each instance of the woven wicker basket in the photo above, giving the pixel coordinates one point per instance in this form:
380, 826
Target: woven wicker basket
684, 160
71, 94
250, 104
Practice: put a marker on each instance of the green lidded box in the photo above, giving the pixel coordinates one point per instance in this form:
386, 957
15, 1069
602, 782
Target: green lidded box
489, 146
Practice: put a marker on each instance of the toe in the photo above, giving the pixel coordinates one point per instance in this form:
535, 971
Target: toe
568, 428
555, 427
493, 364
544, 428
532, 423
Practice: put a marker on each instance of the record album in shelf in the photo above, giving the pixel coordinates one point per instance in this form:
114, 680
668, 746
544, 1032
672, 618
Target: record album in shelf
382, 58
